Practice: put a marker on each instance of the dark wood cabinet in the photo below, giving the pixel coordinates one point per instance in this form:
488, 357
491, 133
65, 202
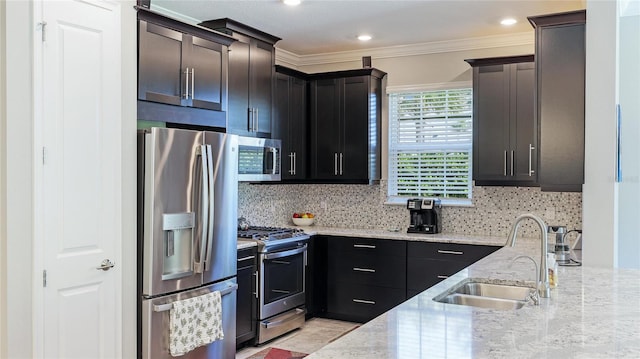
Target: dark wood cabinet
365, 277
345, 112
247, 305
316, 277
251, 73
182, 72
290, 121
429, 263
505, 129
560, 80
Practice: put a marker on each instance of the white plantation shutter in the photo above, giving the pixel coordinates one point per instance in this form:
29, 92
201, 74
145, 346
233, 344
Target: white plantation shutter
430, 142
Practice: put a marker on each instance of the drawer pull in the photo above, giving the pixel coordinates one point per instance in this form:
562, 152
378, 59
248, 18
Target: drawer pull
245, 258
364, 301
364, 270
442, 251
364, 246
443, 276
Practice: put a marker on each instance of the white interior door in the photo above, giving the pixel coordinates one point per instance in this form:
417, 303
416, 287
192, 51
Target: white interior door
81, 190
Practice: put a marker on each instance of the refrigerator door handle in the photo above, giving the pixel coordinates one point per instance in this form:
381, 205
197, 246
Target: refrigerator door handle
211, 204
168, 306
202, 151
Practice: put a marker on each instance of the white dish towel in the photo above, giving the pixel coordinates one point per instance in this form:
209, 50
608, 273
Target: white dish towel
195, 322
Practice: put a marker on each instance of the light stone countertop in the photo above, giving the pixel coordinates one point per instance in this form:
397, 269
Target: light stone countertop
246, 244
593, 313
403, 235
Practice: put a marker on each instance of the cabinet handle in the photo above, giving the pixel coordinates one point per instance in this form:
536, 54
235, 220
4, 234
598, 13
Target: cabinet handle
335, 163
531, 171
364, 301
186, 83
291, 172
364, 246
341, 163
512, 156
505, 163
444, 251
193, 81
257, 119
364, 270
295, 164
442, 276
245, 258
250, 125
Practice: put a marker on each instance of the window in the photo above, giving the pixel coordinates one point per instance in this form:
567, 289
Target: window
430, 144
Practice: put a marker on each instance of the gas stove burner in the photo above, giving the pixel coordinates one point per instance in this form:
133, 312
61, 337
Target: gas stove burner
272, 236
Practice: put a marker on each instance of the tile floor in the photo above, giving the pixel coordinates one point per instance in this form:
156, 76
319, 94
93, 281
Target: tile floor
316, 333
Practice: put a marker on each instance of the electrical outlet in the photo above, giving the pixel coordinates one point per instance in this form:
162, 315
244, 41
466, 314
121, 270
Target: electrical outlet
323, 205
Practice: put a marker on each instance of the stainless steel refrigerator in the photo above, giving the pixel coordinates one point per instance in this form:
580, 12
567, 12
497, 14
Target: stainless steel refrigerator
187, 232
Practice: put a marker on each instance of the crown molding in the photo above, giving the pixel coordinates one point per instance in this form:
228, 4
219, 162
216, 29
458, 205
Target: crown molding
475, 43
175, 15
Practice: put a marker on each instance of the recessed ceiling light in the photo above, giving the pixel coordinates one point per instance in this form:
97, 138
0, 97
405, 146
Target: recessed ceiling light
291, 2
508, 21
364, 37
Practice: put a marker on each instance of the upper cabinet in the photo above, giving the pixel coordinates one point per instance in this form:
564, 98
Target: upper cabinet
182, 72
251, 73
560, 80
290, 121
504, 126
345, 110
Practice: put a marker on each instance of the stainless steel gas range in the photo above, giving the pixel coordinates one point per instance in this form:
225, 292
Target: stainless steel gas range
282, 260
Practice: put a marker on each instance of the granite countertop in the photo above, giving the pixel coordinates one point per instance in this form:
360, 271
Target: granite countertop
246, 244
594, 313
403, 235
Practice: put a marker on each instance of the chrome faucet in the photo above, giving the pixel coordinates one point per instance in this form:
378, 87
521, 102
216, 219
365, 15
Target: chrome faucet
534, 295
543, 282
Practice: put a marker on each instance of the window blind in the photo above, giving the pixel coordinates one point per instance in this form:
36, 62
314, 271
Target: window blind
430, 143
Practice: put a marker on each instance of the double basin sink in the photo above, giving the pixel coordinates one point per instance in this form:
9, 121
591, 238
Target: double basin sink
486, 295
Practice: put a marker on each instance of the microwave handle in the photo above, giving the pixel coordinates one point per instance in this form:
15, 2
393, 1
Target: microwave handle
274, 153
204, 154
211, 186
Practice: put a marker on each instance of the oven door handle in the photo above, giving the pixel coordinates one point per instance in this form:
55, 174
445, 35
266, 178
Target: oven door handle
285, 253
299, 312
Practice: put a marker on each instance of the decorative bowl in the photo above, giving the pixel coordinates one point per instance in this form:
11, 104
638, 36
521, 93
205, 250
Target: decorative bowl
303, 221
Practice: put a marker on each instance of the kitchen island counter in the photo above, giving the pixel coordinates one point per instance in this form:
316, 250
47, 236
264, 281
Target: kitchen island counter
594, 313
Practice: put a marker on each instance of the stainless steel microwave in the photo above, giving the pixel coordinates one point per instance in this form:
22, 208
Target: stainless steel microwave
259, 159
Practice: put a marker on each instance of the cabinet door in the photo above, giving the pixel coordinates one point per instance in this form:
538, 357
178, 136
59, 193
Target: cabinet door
326, 128
298, 120
523, 128
160, 72
353, 161
245, 308
280, 123
206, 74
560, 54
260, 85
491, 123
238, 113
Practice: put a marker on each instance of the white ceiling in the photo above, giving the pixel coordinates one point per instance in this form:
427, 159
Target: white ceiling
325, 26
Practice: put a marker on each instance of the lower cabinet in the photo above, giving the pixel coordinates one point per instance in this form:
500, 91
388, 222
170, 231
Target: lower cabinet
247, 305
429, 263
365, 277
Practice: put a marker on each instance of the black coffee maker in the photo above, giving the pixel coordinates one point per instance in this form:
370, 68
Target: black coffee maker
425, 215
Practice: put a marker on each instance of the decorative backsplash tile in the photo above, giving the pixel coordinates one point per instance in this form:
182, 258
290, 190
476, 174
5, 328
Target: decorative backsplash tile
362, 206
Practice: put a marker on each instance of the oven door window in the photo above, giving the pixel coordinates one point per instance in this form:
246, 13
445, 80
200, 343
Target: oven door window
283, 277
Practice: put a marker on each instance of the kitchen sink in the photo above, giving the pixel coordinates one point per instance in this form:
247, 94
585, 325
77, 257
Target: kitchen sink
486, 295
495, 290
482, 302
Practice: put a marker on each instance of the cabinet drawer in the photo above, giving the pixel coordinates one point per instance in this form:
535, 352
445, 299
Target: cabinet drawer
449, 251
349, 245
423, 273
247, 257
361, 302
358, 268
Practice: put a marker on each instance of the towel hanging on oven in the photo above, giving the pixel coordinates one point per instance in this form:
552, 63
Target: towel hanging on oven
195, 322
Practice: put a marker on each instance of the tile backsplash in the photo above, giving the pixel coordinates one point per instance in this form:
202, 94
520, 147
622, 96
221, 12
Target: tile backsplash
362, 206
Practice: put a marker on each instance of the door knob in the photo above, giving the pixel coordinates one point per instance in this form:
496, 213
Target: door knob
105, 265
